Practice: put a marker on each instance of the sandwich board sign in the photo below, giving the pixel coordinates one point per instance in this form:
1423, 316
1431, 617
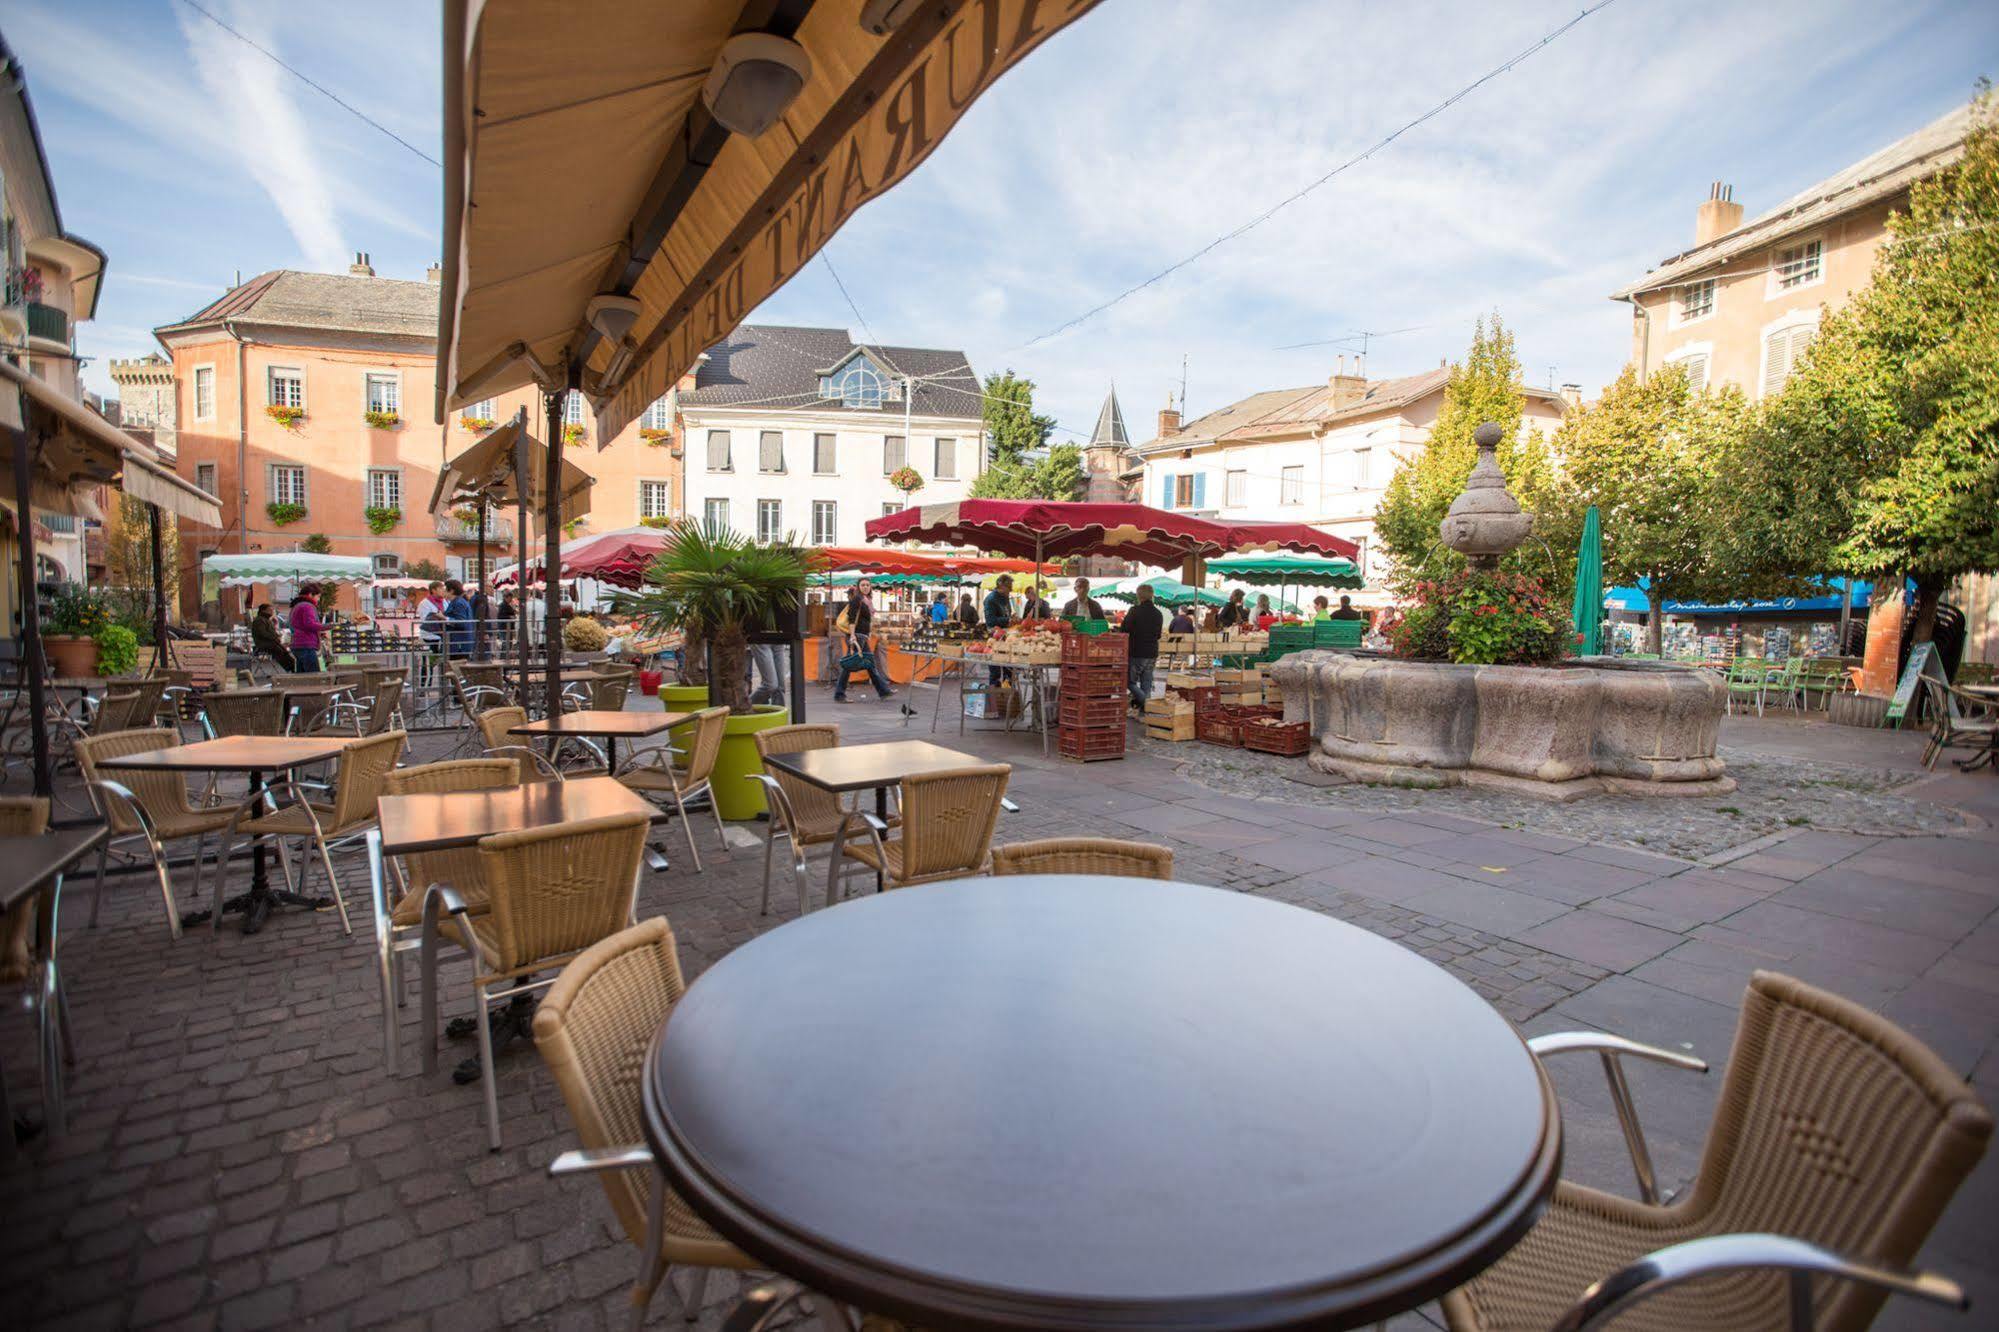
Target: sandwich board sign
1923, 660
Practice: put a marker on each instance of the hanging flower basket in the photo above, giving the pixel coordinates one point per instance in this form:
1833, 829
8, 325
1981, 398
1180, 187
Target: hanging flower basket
478, 425
285, 416
572, 434
466, 517
657, 438
381, 519
284, 515
906, 479
382, 420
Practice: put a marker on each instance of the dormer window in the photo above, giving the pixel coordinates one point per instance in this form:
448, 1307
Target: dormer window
856, 384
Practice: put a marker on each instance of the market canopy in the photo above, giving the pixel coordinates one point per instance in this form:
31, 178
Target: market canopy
486, 471
875, 560
582, 159
1058, 530
618, 557
76, 447
287, 566
1166, 591
1284, 570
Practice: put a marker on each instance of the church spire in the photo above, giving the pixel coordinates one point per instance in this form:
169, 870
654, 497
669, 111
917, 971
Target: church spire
1110, 424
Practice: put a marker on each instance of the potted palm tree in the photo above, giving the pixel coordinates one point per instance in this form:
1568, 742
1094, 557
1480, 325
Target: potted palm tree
717, 588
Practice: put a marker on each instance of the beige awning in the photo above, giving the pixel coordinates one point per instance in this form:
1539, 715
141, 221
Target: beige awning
486, 471
579, 159
80, 449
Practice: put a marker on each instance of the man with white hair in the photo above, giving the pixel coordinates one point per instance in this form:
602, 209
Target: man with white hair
1082, 603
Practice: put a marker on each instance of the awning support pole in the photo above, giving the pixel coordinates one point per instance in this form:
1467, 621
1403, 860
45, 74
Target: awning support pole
551, 523
521, 553
31, 615
479, 625
162, 645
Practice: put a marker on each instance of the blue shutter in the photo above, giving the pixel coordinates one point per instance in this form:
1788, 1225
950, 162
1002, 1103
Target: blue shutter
1200, 490
1166, 491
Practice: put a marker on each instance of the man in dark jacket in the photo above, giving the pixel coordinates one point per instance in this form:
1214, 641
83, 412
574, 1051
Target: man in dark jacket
1141, 625
1083, 603
999, 614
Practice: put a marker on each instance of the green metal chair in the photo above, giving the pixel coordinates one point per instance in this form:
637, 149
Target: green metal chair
1746, 679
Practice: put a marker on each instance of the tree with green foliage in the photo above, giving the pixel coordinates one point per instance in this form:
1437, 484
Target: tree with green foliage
1880, 457
1485, 386
1021, 464
1647, 455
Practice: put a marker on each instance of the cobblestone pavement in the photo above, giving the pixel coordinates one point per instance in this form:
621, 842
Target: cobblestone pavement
238, 1156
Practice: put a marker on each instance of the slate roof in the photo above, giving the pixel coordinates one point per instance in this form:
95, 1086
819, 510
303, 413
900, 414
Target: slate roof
1277, 411
1878, 176
286, 298
1110, 424
779, 366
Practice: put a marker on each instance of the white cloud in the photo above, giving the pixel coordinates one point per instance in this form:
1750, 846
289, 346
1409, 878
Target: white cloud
269, 134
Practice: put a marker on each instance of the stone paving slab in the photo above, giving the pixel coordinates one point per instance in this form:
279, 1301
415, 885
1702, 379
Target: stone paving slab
238, 1157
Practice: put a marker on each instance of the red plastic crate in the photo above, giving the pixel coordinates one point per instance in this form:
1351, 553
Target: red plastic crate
1219, 726
1290, 739
1100, 649
1093, 682
1089, 746
1093, 713
1207, 696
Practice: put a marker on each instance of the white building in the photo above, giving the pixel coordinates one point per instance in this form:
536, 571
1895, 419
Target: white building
1322, 454
798, 430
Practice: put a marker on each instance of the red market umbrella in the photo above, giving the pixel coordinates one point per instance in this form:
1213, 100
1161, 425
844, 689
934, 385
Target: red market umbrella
618, 557
874, 560
1056, 530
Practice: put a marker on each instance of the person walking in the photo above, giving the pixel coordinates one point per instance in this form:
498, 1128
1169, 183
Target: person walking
1082, 603
458, 615
430, 614
1141, 626
860, 617
267, 638
305, 629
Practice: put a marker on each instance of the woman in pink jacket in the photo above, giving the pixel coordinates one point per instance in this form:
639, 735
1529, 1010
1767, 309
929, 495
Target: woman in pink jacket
306, 628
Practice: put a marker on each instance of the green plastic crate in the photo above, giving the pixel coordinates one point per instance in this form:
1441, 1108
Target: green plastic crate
1084, 626
1338, 633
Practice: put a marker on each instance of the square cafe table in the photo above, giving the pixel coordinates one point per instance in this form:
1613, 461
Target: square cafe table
842, 769
34, 866
253, 755
603, 725
406, 824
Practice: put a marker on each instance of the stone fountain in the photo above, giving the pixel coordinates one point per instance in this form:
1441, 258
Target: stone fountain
1558, 732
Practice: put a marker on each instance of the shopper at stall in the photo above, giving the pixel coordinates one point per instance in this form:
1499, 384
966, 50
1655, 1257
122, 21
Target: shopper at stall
1265, 617
1141, 625
1183, 621
1035, 606
940, 609
1319, 605
1082, 603
267, 638
305, 629
858, 621
998, 615
1346, 610
1235, 612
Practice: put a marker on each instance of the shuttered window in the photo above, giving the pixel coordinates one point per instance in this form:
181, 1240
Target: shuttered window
823, 455
947, 459
1781, 352
1695, 364
718, 451
895, 454
770, 451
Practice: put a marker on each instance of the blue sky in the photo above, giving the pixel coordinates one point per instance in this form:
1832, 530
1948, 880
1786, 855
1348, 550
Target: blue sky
1132, 140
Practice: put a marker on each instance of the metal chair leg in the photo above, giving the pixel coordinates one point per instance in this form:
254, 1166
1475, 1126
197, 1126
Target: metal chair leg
97, 894
696, 1292
681, 807
770, 840
488, 1078
652, 1263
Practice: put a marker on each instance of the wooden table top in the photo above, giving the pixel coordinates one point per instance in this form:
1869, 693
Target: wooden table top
288, 691
459, 818
1334, 1130
568, 674
593, 721
866, 767
237, 753
26, 863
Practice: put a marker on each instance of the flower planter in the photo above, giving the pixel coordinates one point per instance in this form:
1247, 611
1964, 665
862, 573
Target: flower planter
70, 655
736, 797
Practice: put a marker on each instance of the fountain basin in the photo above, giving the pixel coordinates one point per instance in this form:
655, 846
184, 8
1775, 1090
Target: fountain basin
1557, 732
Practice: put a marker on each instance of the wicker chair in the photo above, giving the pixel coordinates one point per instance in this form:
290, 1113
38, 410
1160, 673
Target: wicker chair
1834, 1127
40, 983
803, 814
651, 773
1084, 855
608, 690
148, 809
20, 816
364, 767
117, 712
947, 831
553, 892
496, 729
367, 714
1957, 719
242, 712
592, 1028
398, 922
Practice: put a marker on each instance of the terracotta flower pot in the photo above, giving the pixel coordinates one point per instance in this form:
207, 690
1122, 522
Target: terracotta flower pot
70, 655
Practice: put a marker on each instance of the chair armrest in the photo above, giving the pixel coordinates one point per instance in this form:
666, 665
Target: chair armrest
1611, 1049
539, 759
446, 898
876, 826
1716, 1254
589, 1160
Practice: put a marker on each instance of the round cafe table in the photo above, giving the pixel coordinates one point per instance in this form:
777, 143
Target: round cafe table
1083, 1102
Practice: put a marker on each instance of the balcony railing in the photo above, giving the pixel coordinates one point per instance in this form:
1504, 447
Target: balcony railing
499, 531
48, 323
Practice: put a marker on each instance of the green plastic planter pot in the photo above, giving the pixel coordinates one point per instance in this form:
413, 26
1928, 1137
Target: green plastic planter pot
734, 797
683, 698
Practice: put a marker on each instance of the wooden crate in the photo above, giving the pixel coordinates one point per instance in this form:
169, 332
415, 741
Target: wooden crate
1173, 730
1242, 698
1167, 708
1247, 677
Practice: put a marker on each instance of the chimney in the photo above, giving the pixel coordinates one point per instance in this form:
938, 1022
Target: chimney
1572, 395
1169, 419
360, 267
1347, 389
433, 275
1718, 215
